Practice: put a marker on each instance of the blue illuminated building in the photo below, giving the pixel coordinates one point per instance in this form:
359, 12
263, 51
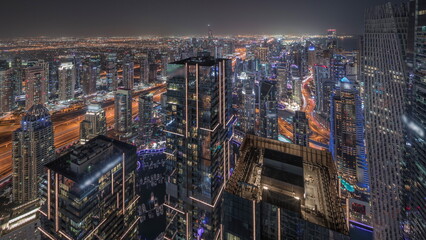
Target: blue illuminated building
348, 148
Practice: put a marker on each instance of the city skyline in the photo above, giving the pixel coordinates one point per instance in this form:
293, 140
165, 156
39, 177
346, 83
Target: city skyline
213, 120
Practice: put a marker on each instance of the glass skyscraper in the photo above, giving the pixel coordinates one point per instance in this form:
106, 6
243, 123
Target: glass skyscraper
414, 189
384, 74
198, 133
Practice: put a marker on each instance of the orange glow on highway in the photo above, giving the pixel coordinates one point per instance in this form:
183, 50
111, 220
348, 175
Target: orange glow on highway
66, 130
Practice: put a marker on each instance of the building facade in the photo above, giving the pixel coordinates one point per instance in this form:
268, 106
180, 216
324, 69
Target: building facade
94, 123
67, 81
414, 164
35, 86
384, 74
197, 145
123, 112
268, 109
32, 147
89, 193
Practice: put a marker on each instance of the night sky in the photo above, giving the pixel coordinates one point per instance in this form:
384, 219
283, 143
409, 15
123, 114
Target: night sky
23, 18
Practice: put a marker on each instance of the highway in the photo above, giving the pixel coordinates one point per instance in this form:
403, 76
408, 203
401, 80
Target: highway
318, 133
66, 129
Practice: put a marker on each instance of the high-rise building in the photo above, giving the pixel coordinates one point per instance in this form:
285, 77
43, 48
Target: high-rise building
282, 191
111, 73
301, 129
145, 117
414, 164
331, 39
91, 74
32, 147
324, 87
348, 149
67, 79
268, 112
346, 133
7, 88
384, 75
248, 117
89, 193
35, 86
337, 67
144, 67
123, 112
94, 123
198, 131
128, 74
261, 53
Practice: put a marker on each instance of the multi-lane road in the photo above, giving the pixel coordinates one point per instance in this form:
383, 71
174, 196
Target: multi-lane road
66, 129
318, 132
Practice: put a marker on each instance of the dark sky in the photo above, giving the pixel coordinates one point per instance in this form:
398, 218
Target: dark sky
167, 17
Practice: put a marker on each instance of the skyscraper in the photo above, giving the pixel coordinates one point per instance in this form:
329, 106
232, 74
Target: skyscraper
331, 39
32, 147
324, 87
282, 191
348, 148
128, 74
301, 129
111, 73
414, 164
90, 192
248, 117
91, 71
268, 112
35, 86
123, 112
337, 67
7, 93
145, 117
383, 71
94, 123
144, 67
67, 80
197, 145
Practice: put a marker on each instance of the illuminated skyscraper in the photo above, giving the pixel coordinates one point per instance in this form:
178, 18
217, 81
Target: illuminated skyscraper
89, 193
198, 130
128, 74
111, 73
282, 191
324, 88
337, 67
348, 148
331, 39
248, 117
94, 123
32, 147
268, 105
123, 112
145, 117
383, 71
301, 129
7, 87
261, 53
91, 71
346, 132
35, 86
144, 67
67, 79
414, 164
